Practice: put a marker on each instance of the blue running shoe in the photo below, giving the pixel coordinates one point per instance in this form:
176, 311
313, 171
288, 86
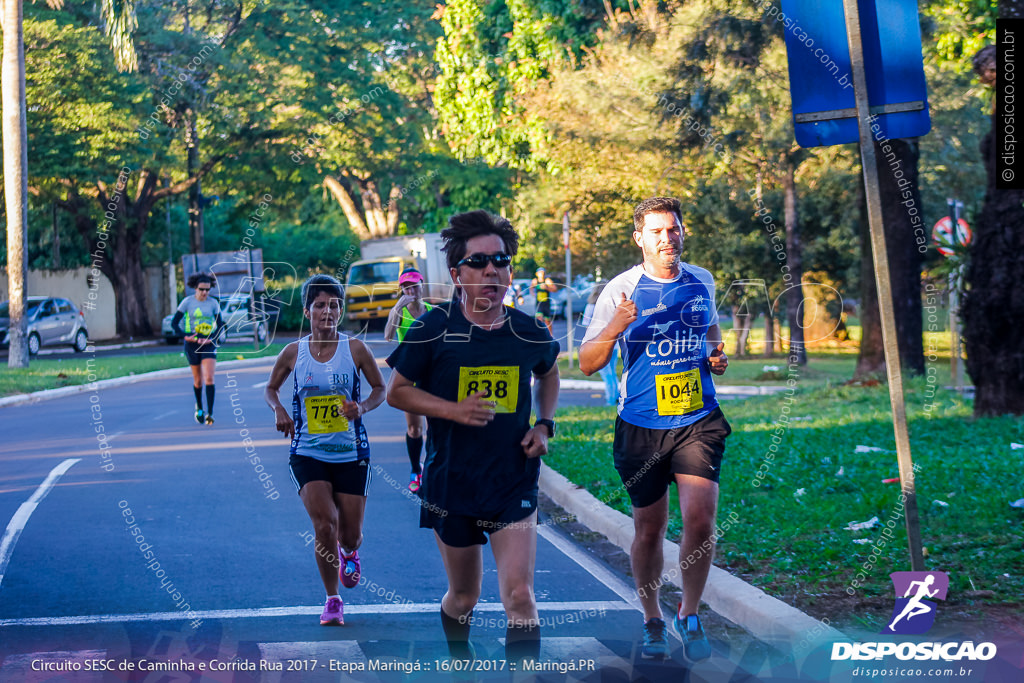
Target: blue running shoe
695, 644
655, 646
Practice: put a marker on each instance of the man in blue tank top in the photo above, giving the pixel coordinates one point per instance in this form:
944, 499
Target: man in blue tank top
662, 316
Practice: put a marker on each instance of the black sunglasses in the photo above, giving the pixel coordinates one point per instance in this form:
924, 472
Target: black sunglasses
202, 289
479, 261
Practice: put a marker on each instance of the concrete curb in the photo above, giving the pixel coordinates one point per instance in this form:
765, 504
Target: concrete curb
765, 617
48, 394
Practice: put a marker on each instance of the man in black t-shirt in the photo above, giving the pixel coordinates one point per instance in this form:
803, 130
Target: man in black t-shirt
466, 365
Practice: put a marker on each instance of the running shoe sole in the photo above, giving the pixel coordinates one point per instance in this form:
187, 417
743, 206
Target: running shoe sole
349, 579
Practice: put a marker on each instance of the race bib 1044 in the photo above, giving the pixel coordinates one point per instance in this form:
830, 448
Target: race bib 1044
679, 393
324, 414
499, 382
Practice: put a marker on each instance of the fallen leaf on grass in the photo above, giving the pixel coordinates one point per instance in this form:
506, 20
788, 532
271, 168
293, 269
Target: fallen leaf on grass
861, 526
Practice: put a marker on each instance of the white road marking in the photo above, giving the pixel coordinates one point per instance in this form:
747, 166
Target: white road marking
599, 572
163, 415
386, 608
20, 518
260, 385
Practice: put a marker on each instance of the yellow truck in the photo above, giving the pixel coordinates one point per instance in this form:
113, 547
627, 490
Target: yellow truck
371, 285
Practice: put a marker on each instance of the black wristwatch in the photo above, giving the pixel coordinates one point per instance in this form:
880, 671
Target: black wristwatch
550, 424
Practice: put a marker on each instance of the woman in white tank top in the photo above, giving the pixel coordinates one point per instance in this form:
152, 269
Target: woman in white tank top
329, 456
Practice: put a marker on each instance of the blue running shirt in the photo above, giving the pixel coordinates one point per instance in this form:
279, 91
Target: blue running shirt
665, 382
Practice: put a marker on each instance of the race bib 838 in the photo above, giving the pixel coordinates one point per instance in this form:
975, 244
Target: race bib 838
499, 382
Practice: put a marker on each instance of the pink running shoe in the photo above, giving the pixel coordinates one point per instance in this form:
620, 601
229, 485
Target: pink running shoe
334, 613
415, 480
349, 571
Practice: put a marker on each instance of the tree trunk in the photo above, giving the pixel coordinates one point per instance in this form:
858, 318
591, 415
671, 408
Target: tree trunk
871, 356
742, 319
993, 303
769, 333
129, 281
15, 137
195, 195
348, 205
905, 236
794, 258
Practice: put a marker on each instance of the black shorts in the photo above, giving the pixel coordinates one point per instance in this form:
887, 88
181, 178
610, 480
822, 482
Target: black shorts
462, 531
351, 477
196, 353
647, 459
544, 308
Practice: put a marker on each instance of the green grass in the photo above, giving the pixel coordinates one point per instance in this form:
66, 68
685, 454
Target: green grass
795, 546
43, 373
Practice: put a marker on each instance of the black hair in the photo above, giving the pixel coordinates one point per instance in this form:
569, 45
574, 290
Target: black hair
463, 227
656, 205
316, 284
195, 278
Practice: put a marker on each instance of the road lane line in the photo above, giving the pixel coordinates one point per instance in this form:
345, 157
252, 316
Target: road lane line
590, 565
20, 518
260, 385
298, 610
595, 569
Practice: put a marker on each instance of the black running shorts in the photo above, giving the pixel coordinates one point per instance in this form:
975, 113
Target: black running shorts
345, 477
196, 353
648, 459
461, 531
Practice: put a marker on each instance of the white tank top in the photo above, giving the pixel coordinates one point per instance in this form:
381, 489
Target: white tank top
321, 429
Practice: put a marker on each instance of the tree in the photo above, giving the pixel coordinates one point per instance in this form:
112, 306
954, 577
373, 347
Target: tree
118, 28
905, 237
994, 302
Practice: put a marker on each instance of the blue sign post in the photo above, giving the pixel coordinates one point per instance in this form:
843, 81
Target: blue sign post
876, 46
820, 71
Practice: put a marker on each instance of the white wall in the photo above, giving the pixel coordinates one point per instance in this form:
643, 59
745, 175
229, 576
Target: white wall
100, 319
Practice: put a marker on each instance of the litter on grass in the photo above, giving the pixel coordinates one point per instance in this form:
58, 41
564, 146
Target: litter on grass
1015, 446
941, 503
862, 541
800, 492
868, 449
1019, 503
861, 526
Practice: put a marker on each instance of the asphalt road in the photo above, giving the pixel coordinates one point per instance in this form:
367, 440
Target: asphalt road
228, 541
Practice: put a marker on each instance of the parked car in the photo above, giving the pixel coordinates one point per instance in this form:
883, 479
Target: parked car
51, 321
238, 320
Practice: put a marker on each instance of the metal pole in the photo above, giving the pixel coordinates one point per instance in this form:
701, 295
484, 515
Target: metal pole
568, 284
884, 283
958, 369
954, 303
